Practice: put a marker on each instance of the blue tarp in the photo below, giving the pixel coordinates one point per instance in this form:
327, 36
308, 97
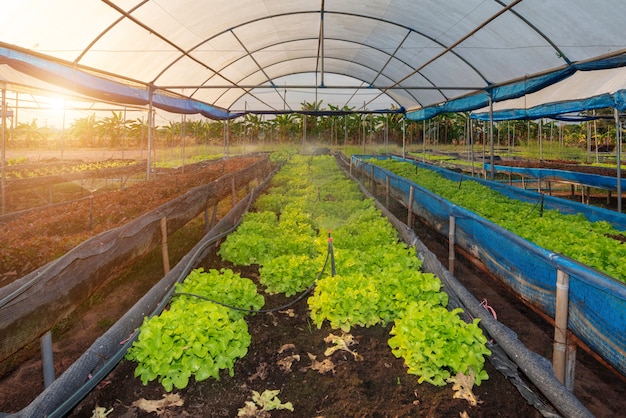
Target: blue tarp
597, 302
527, 86
592, 180
104, 89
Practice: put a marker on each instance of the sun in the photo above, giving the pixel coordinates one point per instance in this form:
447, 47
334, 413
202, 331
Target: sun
56, 103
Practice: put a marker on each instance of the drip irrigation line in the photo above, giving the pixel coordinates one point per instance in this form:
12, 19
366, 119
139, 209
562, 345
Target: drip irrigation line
329, 255
539, 201
108, 365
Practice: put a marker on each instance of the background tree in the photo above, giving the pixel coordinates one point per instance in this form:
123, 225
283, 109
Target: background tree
85, 130
30, 133
112, 127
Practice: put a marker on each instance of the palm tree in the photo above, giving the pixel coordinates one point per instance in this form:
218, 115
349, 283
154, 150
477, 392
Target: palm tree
85, 130
29, 131
138, 131
112, 127
285, 125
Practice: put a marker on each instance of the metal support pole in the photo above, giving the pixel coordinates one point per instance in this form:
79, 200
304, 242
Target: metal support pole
559, 356
451, 235
3, 176
47, 359
618, 141
492, 171
150, 124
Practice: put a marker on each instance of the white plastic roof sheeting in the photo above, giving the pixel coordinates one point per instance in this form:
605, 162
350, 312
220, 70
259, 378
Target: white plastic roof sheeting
268, 53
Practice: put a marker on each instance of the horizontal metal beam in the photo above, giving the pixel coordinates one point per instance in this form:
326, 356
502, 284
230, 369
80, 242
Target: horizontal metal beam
267, 86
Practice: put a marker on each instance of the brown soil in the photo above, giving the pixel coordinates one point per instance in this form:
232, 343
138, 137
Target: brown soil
46, 233
376, 386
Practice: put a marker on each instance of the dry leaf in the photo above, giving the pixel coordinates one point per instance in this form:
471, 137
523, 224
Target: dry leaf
289, 312
100, 412
286, 347
159, 406
322, 367
341, 343
286, 363
463, 387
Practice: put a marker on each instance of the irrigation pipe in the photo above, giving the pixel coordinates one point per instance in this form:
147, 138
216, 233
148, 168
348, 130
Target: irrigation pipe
535, 367
102, 356
329, 255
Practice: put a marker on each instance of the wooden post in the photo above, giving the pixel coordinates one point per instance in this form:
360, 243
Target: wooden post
409, 220
233, 191
451, 234
387, 191
213, 216
164, 249
373, 180
559, 355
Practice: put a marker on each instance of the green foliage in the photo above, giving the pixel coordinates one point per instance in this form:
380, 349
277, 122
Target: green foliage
372, 287
436, 343
377, 277
290, 274
224, 286
590, 243
196, 337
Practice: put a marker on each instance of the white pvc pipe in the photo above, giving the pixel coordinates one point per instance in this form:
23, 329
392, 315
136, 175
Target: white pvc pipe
451, 239
47, 359
559, 355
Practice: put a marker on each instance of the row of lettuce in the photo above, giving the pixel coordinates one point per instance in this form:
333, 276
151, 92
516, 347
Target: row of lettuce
595, 244
377, 281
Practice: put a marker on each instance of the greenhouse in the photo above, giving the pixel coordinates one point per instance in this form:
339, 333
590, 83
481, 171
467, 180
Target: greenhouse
197, 196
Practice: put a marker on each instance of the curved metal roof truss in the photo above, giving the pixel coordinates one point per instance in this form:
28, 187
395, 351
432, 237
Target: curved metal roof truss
413, 54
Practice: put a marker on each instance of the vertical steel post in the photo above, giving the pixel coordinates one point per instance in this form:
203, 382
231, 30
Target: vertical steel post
618, 141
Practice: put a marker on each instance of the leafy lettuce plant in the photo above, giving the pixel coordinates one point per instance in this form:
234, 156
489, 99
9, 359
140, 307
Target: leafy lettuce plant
196, 337
290, 274
590, 243
224, 286
437, 344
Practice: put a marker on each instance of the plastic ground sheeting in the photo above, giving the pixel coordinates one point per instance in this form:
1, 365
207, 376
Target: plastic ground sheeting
597, 303
104, 354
